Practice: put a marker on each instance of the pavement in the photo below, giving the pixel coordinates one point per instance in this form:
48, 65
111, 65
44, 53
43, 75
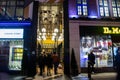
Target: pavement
82, 76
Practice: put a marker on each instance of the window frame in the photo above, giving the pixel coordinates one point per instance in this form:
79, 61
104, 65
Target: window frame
80, 7
9, 4
116, 8
104, 9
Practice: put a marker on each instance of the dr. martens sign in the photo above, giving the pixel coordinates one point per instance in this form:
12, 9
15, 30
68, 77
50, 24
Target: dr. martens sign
111, 30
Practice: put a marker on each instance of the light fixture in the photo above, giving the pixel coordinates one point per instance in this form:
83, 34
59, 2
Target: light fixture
56, 30
43, 30
54, 34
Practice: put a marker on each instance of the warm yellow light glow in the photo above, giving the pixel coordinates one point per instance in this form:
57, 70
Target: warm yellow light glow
43, 30
55, 30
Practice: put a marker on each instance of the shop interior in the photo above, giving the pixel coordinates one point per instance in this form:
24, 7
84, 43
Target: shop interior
101, 47
11, 49
11, 52
50, 29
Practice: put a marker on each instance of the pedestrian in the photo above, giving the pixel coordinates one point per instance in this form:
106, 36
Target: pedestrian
91, 61
55, 62
32, 64
117, 64
41, 63
25, 63
49, 63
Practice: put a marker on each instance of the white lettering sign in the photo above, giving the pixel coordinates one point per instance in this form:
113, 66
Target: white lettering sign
11, 33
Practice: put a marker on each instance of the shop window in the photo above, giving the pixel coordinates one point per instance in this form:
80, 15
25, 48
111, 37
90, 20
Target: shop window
116, 8
104, 8
82, 8
17, 54
101, 47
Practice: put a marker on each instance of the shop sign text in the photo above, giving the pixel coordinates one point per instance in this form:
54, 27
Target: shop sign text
113, 30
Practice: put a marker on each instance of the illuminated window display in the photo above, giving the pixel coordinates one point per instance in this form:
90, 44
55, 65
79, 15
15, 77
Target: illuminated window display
15, 55
102, 48
11, 47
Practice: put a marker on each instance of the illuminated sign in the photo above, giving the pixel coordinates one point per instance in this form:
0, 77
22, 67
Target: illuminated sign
113, 30
15, 24
11, 33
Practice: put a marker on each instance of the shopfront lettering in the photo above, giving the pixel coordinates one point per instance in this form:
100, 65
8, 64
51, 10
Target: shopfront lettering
113, 30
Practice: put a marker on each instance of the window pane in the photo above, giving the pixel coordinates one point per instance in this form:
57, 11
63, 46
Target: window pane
113, 3
114, 12
100, 2
104, 7
101, 11
82, 7
20, 3
115, 8
105, 3
84, 2
106, 11
79, 10
118, 3
11, 11
3, 3
11, 3
84, 10
119, 12
79, 1
19, 11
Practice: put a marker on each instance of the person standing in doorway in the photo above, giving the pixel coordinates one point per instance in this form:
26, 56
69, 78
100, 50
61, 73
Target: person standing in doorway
49, 63
41, 63
55, 62
91, 61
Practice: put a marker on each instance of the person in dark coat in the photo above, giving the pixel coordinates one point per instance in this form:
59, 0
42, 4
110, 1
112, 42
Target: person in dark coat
25, 63
32, 64
49, 63
117, 64
41, 63
91, 60
55, 62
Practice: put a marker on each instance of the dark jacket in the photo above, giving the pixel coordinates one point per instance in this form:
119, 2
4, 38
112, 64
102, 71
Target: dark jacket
91, 58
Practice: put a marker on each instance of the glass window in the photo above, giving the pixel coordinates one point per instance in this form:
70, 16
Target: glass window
116, 8
104, 8
79, 10
101, 47
82, 8
84, 2
101, 11
79, 1
10, 11
19, 11
10, 3
11, 8
106, 11
2, 2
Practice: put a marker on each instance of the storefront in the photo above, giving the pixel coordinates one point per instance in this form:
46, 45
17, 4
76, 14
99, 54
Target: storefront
103, 41
12, 45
